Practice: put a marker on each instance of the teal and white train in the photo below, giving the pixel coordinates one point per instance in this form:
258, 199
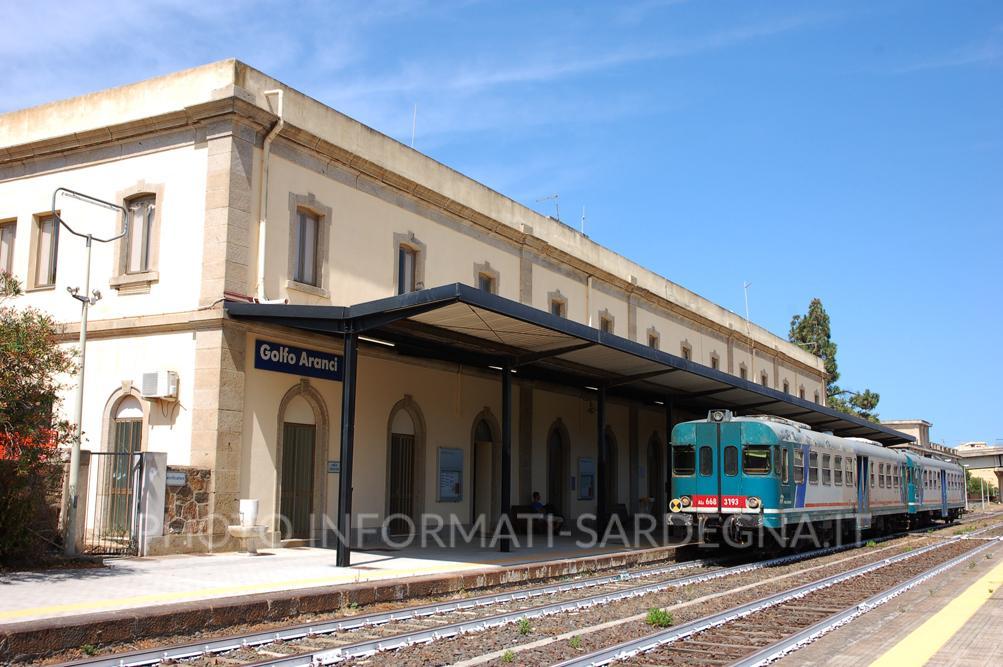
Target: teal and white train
741, 474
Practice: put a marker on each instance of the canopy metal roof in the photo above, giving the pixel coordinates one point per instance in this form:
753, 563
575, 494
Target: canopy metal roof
463, 324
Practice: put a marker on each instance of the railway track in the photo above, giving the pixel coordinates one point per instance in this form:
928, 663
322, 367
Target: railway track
358, 637
758, 632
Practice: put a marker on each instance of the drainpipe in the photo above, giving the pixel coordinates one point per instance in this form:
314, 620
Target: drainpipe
266, 150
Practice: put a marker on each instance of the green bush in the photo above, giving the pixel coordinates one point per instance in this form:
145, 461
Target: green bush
658, 618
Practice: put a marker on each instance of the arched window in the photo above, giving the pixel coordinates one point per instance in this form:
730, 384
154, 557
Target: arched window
127, 431
787, 387
139, 233
764, 379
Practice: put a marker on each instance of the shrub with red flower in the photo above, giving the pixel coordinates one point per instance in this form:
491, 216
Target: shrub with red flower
32, 368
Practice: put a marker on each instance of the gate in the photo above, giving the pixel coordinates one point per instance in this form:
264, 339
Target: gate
111, 524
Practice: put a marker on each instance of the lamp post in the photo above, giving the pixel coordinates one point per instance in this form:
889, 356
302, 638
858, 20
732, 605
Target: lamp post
87, 299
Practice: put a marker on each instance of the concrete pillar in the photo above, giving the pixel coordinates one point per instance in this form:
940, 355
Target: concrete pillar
635, 458
526, 443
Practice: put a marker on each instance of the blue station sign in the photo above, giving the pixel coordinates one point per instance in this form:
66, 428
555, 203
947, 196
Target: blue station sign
271, 356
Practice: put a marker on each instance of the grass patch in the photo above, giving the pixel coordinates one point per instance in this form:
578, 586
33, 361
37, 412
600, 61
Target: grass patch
524, 627
575, 642
508, 656
871, 543
658, 618
89, 649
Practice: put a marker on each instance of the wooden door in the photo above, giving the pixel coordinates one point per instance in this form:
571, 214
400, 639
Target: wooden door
296, 506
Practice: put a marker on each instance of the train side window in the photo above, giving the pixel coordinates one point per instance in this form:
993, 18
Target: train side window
837, 471
706, 461
872, 476
785, 475
881, 476
799, 466
731, 460
849, 470
756, 460
683, 460
813, 468
827, 469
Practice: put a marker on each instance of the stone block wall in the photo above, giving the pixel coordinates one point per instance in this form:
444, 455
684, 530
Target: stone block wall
186, 510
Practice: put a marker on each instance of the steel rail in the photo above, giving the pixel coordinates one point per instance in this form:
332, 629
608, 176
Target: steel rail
144, 658
813, 632
372, 646
649, 642
299, 631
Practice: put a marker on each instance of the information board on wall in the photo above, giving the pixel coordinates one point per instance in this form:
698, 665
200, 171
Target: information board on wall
272, 356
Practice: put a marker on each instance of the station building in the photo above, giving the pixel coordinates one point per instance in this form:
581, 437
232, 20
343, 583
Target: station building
265, 229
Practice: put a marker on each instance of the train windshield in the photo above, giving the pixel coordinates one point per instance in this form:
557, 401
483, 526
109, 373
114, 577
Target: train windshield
756, 459
683, 460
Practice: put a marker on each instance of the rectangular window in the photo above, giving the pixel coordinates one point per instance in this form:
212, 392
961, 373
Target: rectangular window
756, 460
606, 325
813, 468
558, 308
715, 362
798, 465
837, 471
706, 461
406, 265
827, 469
881, 475
731, 460
8, 231
785, 474
305, 270
46, 250
586, 478
138, 234
450, 475
653, 341
686, 353
683, 460
486, 282
743, 373
849, 470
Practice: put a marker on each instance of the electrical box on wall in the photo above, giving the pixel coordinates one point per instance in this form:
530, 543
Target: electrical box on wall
161, 385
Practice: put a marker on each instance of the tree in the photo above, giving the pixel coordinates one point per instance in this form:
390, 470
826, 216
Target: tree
812, 332
31, 364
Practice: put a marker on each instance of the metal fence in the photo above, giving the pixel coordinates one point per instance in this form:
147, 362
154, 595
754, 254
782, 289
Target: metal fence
112, 521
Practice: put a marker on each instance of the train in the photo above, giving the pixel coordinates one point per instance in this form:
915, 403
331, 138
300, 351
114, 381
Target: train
736, 476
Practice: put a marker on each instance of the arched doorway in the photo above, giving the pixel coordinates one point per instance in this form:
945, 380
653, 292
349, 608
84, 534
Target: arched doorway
656, 475
126, 440
299, 449
611, 471
485, 497
300, 452
405, 466
557, 468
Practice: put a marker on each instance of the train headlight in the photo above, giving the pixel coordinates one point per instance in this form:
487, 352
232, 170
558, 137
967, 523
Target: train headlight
753, 502
685, 501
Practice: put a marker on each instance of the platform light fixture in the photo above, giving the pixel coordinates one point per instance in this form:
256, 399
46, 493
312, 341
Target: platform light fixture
377, 341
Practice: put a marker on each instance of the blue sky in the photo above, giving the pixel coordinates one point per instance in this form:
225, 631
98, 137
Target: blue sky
851, 151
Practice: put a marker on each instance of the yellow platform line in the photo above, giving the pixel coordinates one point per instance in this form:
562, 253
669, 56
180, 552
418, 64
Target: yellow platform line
349, 577
923, 643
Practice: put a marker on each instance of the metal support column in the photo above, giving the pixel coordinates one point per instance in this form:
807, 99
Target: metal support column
506, 452
602, 461
668, 451
343, 556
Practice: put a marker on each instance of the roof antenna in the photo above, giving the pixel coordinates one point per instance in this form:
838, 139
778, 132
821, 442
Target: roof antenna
557, 204
414, 121
583, 221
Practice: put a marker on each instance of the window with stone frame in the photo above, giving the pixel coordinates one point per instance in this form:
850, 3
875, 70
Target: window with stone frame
558, 304
139, 233
306, 241
605, 322
654, 339
715, 362
46, 251
8, 233
686, 351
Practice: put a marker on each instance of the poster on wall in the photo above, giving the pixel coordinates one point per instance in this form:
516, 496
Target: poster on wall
450, 475
587, 478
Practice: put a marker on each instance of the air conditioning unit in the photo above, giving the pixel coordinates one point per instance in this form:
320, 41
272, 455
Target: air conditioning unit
161, 385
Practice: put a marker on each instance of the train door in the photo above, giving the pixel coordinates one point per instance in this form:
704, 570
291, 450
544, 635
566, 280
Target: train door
943, 494
863, 487
708, 477
783, 455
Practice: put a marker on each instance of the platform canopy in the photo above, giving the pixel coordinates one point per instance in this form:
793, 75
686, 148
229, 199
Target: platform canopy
462, 324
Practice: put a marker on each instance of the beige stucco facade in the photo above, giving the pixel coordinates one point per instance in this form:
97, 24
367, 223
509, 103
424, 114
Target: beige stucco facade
195, 141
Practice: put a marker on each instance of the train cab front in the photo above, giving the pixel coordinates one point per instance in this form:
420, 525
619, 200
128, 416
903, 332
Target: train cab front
722, 478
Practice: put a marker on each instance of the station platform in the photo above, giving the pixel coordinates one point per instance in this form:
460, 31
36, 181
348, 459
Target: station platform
951, 620
129, 598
